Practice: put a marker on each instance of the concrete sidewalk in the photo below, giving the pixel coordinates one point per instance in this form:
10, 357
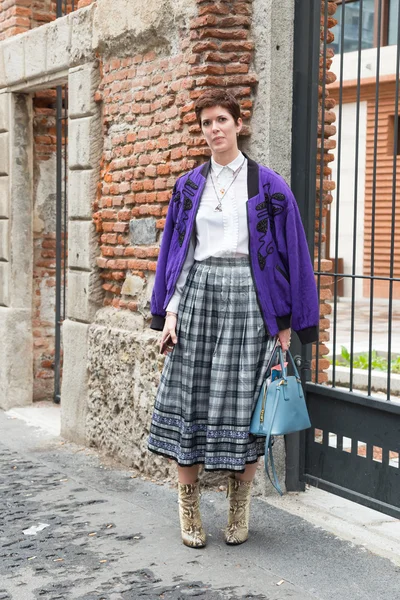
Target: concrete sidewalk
112, 535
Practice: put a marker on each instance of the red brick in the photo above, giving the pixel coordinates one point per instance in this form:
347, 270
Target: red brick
120, 227
151, 171
163, 170
237, 46
148, 185
208, 70
137, 264
215, 8
222, 34
237, 68
203, 21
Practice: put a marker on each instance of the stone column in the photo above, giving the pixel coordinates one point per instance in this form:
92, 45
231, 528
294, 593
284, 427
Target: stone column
270, 142
16, 368
85, 140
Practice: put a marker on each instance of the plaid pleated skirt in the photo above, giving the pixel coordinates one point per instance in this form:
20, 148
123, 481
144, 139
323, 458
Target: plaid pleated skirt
211, 380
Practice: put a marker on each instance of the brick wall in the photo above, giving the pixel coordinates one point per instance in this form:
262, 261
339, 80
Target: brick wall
326, 129
151, 136
44, 244
17, 16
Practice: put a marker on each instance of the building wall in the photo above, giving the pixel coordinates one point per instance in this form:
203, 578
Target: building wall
382, 214
344, 197
132, 78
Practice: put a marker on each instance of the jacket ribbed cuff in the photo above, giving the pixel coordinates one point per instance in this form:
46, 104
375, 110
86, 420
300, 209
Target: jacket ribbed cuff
283, 322
308, 335
157, 322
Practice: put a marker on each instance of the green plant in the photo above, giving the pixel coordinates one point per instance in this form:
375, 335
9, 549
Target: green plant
361, 361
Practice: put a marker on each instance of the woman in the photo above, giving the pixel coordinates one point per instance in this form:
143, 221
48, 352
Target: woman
233, 274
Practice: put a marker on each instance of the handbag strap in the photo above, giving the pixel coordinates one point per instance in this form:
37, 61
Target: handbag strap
268, 447
269, 457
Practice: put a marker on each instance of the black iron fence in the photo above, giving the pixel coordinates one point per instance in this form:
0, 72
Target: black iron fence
346, 185
378, 223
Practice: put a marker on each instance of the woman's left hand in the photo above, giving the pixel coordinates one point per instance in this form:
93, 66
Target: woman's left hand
284, 338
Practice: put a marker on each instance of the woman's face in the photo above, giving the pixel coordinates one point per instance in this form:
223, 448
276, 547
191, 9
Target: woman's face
219, 129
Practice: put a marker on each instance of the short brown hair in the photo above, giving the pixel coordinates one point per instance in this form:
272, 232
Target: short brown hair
217, 97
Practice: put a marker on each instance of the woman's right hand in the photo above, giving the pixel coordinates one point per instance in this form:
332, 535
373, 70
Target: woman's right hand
169, 330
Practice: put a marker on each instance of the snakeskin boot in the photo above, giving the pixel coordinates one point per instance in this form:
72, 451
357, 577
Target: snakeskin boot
192, 531
239, 493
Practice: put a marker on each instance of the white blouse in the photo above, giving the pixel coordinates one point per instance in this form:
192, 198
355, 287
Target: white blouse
218, 233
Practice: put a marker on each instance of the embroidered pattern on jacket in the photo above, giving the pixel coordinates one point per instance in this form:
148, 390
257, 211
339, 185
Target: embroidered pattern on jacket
187, 206
176, 196
266, 211
264, 249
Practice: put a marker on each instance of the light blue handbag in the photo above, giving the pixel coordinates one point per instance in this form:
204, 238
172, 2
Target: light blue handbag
280, 409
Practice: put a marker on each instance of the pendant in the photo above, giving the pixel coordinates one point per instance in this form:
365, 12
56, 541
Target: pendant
218, 208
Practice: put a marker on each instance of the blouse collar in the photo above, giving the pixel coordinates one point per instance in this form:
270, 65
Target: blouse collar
233, 166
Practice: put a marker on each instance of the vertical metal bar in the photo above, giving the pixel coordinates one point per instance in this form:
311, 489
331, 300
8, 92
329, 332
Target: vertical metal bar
393, 228
58, 243
321, 174
374, 171
353, 281
59, 11
65, 228
338, 181
303, 180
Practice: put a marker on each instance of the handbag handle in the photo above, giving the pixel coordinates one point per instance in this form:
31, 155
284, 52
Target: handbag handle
281, 361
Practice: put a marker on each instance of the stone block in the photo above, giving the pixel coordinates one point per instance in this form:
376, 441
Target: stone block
149, 23
81, 193
4, 112
58, 44
3, 81
14, 59
143, 231
4, 197
4, 240
35, 52
81, 24
82, 85
4, 284
20, 203
74, 389
133, 286
85, 142
85, 295
82, 244
16, 357
4, 154
125, 367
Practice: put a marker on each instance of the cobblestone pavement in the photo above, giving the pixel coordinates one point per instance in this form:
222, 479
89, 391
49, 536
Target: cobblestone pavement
112, 536
80, 547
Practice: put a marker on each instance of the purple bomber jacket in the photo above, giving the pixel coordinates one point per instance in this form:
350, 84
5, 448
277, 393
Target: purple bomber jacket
280, 261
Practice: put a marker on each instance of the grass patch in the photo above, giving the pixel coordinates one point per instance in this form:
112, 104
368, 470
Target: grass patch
361, 361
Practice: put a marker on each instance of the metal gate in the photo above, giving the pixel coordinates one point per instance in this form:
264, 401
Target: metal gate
346, 177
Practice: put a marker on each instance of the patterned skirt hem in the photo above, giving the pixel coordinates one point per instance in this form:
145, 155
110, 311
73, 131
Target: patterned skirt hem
201, 462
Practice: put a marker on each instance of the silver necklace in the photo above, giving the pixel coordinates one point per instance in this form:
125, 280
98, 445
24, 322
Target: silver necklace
223, 191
